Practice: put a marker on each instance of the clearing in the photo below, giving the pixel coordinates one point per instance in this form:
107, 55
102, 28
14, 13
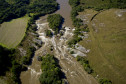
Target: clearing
107, 38
11, 33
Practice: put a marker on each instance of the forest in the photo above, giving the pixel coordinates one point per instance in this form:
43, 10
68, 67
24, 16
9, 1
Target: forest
11, 60
17, 8
103, 4
55, 22
5, 59
51, 71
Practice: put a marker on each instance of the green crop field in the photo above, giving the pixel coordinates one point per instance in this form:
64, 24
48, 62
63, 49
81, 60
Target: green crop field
11, 33
107, 39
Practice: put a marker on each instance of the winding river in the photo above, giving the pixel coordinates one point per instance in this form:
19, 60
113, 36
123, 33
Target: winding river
31, 76
73, 70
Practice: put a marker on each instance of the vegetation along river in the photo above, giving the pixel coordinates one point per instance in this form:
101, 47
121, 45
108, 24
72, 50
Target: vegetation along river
31, 76
73, 71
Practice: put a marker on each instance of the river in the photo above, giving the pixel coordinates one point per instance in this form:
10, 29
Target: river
31, 76
73, 70
64, 11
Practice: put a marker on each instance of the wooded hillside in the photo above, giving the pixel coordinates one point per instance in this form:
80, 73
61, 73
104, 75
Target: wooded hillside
11, 9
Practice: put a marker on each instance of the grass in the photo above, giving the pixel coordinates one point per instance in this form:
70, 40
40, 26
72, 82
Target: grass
103, 4
95, 3
107, 43
11, 33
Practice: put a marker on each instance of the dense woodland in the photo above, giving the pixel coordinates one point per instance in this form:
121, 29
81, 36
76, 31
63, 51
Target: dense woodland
103, 4
5, 59
10, 9
11, 60
55, 22
51, 73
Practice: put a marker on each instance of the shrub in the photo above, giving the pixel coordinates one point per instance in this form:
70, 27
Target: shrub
105, 81
48, 33
27, 59
16, 70
71, 52
75, 9
88, 68
74, 41
39, 58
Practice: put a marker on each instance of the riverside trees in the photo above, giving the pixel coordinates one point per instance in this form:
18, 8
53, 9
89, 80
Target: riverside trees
51, 73
55, 22
4, 59
14, 61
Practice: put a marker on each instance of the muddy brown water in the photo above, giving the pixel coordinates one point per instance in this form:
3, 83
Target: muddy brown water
64, 11
31, 76
73, 70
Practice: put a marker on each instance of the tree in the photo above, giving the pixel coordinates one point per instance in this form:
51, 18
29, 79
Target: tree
105, 81
48, 33
55, 22
51, 72
5, 59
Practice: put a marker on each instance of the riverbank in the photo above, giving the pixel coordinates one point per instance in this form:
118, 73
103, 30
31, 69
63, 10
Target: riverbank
106, 43
72, 69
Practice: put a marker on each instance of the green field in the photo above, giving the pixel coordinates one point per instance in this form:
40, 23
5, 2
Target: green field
11, 33
103, 4
107, 39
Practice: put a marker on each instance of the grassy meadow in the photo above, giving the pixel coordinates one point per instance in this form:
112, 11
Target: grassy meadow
11, 33
103, 4
107, 39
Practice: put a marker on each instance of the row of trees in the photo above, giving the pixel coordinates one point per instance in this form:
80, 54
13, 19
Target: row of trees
55, 22
105, 81
75, 9
85, 63
105, 4
116, 4
77, 22
22, 7
51, 73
